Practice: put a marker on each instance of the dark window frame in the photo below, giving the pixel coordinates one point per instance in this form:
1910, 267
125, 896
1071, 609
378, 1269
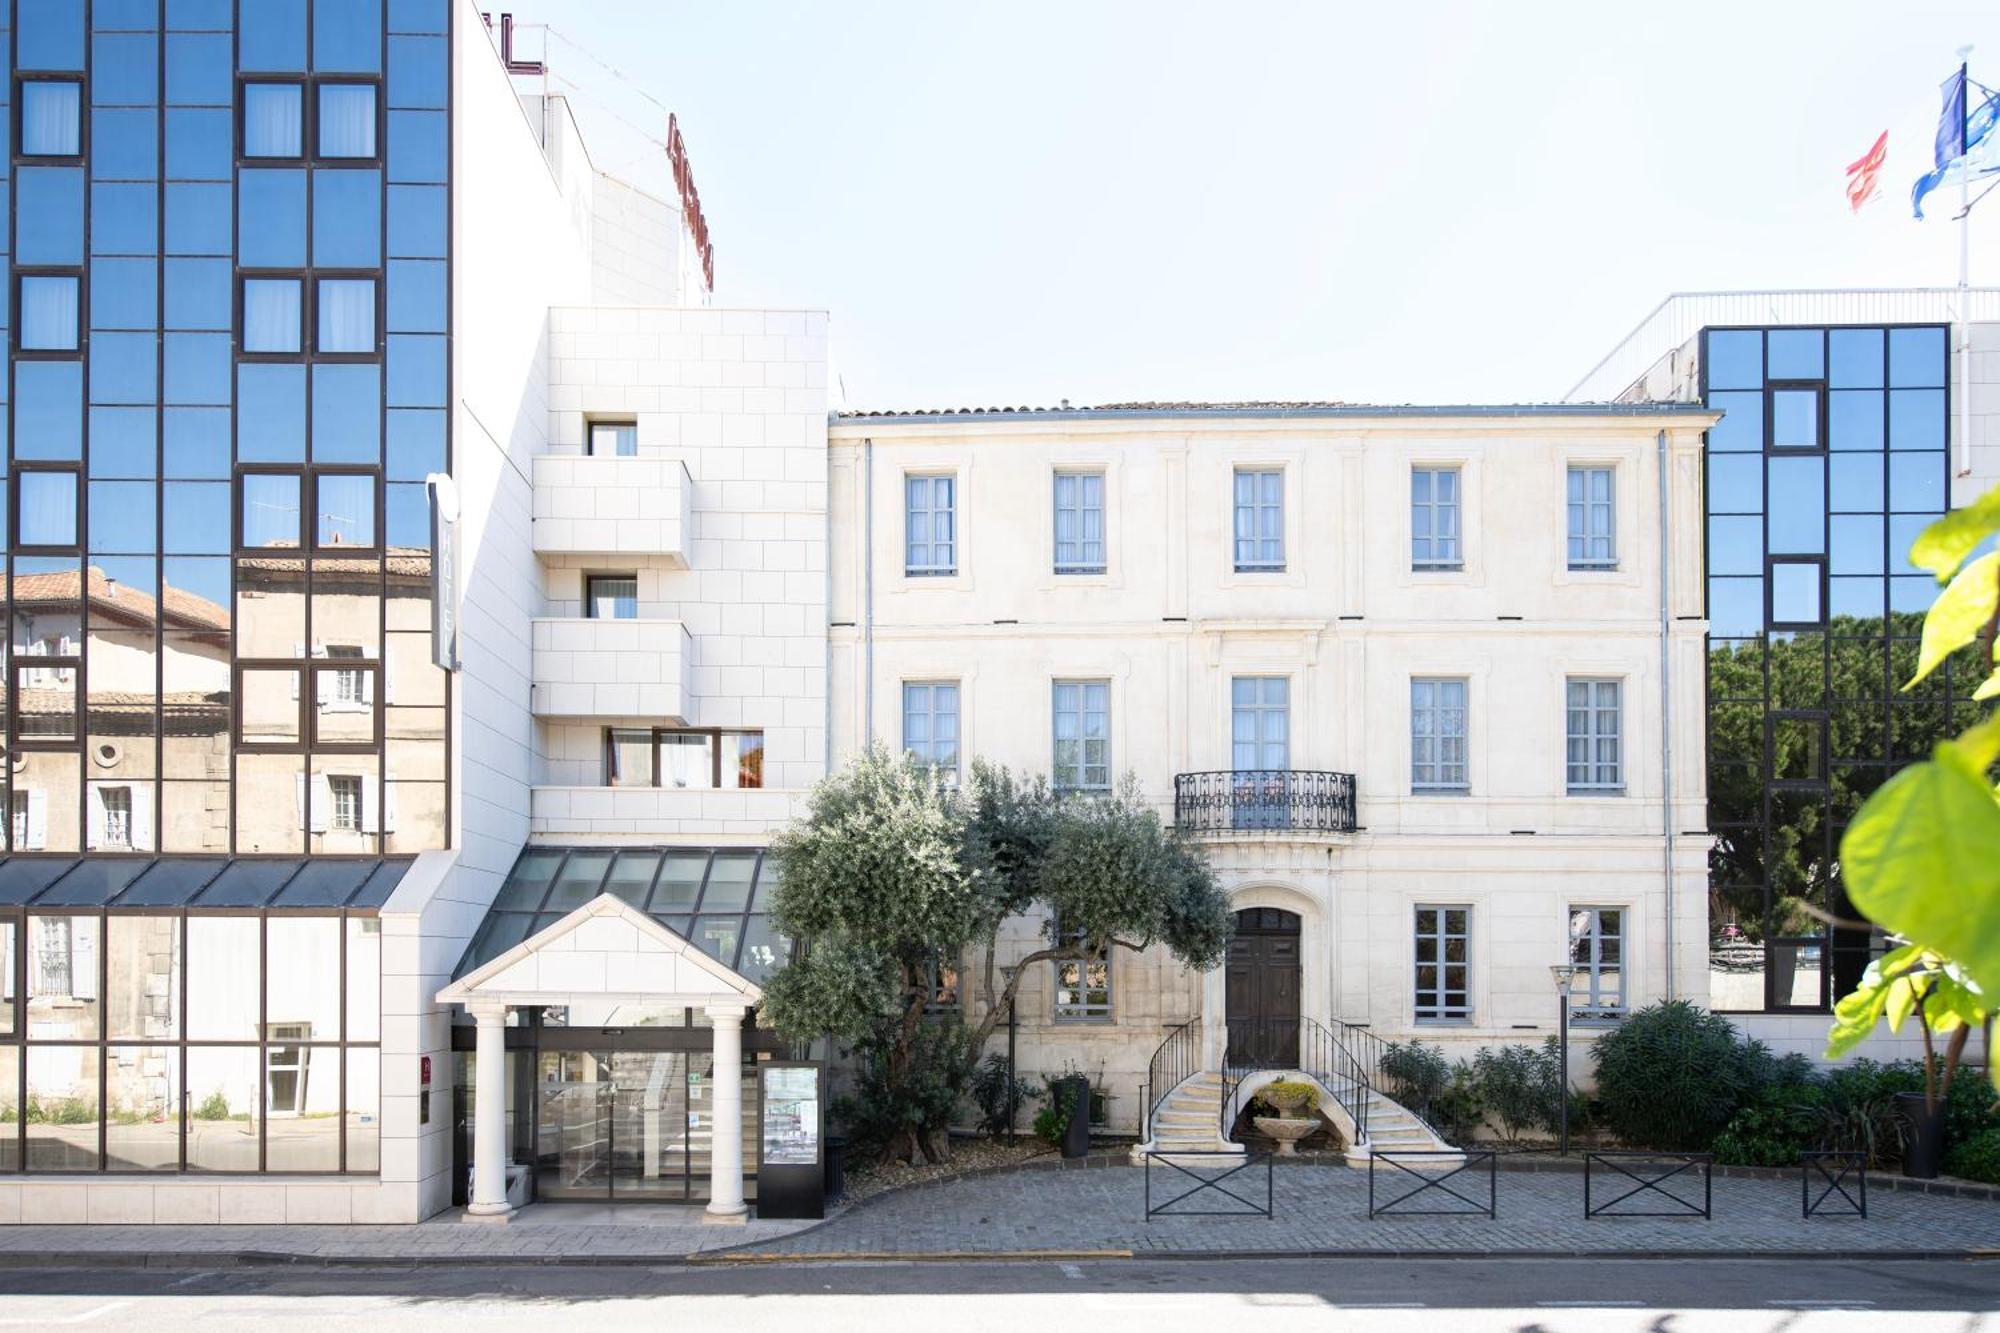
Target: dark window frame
81, 273
374, 82
74, 548
303, 277
310, 507
309, 83
316, 276
714, 737
82, 155
1772, 388
1771, 564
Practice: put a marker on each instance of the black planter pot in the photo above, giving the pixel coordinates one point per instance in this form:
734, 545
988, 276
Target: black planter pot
1075, 1095
1924, 1150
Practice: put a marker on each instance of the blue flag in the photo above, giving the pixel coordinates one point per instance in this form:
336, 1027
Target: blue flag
1966, 144
1951, 128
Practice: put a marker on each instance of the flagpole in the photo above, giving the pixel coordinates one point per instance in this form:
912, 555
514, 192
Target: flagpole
1964, 267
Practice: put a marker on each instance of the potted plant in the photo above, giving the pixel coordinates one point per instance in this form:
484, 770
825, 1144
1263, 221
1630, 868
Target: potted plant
1905, 982
1297, 1104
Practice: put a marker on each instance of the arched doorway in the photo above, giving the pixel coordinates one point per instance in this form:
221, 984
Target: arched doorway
1261, 995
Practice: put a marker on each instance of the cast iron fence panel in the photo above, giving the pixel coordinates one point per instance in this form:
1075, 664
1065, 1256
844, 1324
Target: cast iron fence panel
1263, 800
1244, 1164
1819, 1169
1655, 1173
1468, 1204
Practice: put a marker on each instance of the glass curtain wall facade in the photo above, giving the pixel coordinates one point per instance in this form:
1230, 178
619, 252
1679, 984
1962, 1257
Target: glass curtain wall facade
228, 233
1831, 458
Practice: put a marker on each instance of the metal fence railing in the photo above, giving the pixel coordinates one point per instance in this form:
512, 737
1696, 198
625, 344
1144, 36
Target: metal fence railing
1210, 1178
1832, 1174
1651, 1184
1406, 1171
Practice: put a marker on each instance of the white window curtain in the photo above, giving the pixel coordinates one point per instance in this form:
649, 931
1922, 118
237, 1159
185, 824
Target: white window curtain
272, 113
347, 315
51, 118
271, 315
48, 313
347, 120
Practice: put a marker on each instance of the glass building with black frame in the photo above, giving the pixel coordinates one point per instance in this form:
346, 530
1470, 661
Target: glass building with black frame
1832, 455
228, 233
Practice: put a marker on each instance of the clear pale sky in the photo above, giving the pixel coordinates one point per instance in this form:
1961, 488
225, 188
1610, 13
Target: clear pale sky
1429, 202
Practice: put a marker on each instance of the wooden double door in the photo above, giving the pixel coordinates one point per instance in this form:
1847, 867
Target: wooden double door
1262, 990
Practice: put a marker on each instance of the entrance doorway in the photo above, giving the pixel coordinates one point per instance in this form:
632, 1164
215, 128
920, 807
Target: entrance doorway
614, 1125
1262, 990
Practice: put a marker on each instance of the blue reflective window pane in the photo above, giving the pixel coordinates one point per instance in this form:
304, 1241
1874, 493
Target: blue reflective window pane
198, 219
1916, 419
272, 208
124, 219
199, 69
1735, 484
124, 69
347, 218
48, 508
1795, 595
196, 521
271, 315
1904, 529
271, 413
51, 118
1735, 359
198, 294
1735, 607
1916, 358
1736, 544
1741, 429
212, 15
199, 144
48, 409
1857, 544
1857, 598
417, 72
123, 516
417, 147
197, 368
347, 120
409, 515
345, 513
270, 512
194, 442
119, 15
416, 443
1912, 596
204, 578
1795, 354
1916, 483
348, 36
416, 296
417, 221
123, 294
121, 442
1795, 419
1796, 495
47, 314
347, 413
1857, 483
273, 120
346, 308
1855, 357
1854, 419
418, 16
48, 34
271, 35
124, 144
416, 370
48, 215
124, 368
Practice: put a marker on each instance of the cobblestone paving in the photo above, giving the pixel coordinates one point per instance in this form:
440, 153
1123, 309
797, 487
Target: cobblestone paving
1325, 1207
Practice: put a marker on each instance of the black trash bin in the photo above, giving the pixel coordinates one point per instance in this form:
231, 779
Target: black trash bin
836, 1165
1075, 1093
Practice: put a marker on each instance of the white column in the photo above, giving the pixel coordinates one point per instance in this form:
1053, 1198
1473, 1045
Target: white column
489, 1113
725, 1156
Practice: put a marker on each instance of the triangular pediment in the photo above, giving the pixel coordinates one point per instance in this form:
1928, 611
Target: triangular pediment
604, 950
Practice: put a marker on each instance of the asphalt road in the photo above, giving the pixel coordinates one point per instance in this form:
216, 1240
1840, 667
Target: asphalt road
1547, 1296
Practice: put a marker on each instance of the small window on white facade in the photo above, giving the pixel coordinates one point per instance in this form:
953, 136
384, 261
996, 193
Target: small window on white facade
614, 439
1596, 736
1437, 735
346, 792
1079, 522
1260, 521
1597, 950
930, 526
611, 596
930, 724
1434, 518
1444, 964
1082, 748
1593, 524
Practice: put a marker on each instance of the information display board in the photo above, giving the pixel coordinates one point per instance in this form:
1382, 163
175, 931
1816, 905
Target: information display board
791, 1101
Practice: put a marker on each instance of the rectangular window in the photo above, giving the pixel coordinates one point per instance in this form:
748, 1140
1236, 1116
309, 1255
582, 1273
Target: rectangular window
273, 120
345, 510
1079, 500
270, 508
1260, 751
1597, 949
930, 724
51, 118
930, 526
347, 120
1260, 521
628, 758
117, 815
1592, 524
685, 758
1434, 525
49, 311
346, 792
611, 597
1083, 985
941, 990
273, 321
1444, 965
1595, 737
346, 685
47, 514
614, 439
347, 316
1082, 735
1437, 735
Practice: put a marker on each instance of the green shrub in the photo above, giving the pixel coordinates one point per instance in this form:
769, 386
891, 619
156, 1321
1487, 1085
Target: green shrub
1414, 1074
1673, 1076
1976, 1157
1772, 1132
215, 1106
1050, 1122
889, 1104
1519, 1086
991, 1091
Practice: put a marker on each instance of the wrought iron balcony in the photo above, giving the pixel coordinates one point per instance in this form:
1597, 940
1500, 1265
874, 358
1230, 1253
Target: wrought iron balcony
1264, 800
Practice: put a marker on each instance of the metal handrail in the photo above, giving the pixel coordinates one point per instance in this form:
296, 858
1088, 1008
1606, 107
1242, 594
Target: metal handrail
1262, 800
1177, 1060
1368, 1051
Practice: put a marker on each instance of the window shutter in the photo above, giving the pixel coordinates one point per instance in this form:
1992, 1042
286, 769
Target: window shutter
83, 957
38, 819
322, 802
298, 650
324, 685
371, 805
299, 792
95, 797
367, 687
142, 818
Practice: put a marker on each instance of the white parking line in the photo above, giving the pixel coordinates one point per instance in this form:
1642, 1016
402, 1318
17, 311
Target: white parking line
1071, 1271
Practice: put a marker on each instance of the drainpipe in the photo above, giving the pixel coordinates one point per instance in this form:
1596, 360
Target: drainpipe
868, 591
1666, 708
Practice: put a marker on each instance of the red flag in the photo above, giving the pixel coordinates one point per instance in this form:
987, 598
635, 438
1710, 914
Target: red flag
1861, 175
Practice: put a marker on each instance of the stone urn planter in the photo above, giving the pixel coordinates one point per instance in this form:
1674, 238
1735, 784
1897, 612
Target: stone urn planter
1297, 1103
1285, 1131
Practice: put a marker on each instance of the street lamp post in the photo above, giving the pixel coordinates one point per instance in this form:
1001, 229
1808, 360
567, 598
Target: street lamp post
1562, 974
